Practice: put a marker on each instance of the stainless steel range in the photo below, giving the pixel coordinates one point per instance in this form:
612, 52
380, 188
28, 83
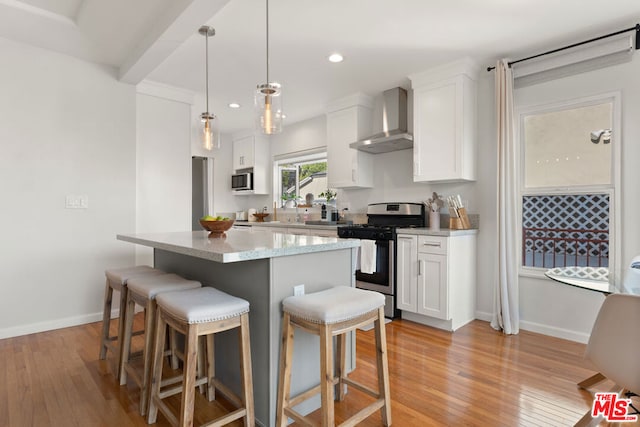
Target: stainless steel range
382, 221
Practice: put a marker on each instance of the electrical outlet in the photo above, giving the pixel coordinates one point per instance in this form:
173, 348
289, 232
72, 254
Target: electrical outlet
298, 290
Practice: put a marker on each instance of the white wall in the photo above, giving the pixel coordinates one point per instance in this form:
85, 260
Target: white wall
66, 127
163, 168
546, 306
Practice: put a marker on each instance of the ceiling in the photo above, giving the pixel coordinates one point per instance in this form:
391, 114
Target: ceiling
383, 42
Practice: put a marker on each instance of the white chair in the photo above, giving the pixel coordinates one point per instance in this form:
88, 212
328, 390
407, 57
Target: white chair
631, 283
614, 347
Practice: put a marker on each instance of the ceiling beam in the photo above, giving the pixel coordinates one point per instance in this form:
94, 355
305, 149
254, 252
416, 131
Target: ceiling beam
173, 29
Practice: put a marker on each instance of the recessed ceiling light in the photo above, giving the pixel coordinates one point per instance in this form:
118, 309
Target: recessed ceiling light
336, 57
234, 105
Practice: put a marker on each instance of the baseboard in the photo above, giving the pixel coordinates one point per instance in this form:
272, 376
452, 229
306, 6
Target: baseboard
51, 325
566, 334
539, 328
483, 315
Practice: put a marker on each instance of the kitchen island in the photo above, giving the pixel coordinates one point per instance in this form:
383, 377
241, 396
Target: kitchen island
262, 267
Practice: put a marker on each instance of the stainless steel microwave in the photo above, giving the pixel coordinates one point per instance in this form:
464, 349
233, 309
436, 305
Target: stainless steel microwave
242, 181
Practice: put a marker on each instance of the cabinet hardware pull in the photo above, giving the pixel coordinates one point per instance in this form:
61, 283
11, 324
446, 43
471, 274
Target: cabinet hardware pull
431, 244
419, 268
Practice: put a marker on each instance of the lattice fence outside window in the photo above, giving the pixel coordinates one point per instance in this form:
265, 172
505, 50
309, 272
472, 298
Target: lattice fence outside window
565, 230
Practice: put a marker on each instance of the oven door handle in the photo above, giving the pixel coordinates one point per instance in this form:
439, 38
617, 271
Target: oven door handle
391, 257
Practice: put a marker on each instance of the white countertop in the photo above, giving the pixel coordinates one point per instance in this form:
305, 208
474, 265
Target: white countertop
445, 232
238, 245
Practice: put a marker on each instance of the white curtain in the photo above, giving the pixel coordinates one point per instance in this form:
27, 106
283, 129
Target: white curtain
506, 311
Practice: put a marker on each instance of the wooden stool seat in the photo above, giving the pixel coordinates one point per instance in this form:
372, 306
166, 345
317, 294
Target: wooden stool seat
329, 313
116, 280
142, 290
195, 313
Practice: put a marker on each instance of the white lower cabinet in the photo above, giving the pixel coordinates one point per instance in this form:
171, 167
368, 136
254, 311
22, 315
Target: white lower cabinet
436, 279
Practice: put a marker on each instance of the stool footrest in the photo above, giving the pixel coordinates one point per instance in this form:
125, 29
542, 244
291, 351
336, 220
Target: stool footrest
363, 414
298, 399
178, 389
227, 393
168, 413
361, 387
298, 417
226, 419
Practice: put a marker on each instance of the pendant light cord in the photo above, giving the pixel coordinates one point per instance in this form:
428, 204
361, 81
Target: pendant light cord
267, 15
206, 54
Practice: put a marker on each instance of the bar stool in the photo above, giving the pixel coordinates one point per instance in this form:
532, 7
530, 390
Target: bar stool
143, 291
116, 279
329, 313
195, 313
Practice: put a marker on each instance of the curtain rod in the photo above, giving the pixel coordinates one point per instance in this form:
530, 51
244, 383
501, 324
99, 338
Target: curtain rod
636, 28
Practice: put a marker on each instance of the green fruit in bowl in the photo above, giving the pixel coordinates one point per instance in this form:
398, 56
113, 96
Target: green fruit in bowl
208, 218
225, 218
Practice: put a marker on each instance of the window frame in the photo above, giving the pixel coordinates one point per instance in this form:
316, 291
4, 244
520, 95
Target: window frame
299, 157
612, 189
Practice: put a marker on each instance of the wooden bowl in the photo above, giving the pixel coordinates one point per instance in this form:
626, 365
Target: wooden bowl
216, 228
260, 216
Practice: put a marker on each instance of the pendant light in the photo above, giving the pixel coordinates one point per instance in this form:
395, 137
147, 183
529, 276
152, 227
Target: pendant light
268, 99
209, 135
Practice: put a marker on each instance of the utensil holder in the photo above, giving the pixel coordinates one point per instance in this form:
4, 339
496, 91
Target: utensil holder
460, 223
434, 220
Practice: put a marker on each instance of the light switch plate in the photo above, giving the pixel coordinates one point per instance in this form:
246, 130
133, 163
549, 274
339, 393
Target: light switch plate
75, 201
298, 290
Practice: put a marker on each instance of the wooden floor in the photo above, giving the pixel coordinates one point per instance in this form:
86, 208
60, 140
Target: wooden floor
474, 377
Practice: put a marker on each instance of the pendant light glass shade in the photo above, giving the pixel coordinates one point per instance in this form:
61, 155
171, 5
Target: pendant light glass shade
209, 134
268, 99
268, 102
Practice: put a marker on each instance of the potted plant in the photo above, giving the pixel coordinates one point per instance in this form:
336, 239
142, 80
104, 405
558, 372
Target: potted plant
289, 200
329, 195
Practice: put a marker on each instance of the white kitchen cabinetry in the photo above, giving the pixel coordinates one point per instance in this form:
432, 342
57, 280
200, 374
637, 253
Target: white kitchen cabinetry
407, 273
436, 279
252, 154
444, 123
243, 153
349, 120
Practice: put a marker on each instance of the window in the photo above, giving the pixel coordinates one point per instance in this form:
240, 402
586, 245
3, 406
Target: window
568, 184
296, 177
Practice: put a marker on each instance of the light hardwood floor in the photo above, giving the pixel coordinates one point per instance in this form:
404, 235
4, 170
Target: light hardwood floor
473, 377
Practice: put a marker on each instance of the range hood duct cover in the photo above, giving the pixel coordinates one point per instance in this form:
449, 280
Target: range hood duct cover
394, 122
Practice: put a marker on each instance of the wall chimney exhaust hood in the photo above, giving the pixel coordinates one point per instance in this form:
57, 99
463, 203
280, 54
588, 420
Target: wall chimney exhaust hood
394, 136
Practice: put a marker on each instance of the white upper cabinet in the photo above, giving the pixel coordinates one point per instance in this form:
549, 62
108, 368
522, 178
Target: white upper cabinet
444, 123
253, 153
243, 153
349, 120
